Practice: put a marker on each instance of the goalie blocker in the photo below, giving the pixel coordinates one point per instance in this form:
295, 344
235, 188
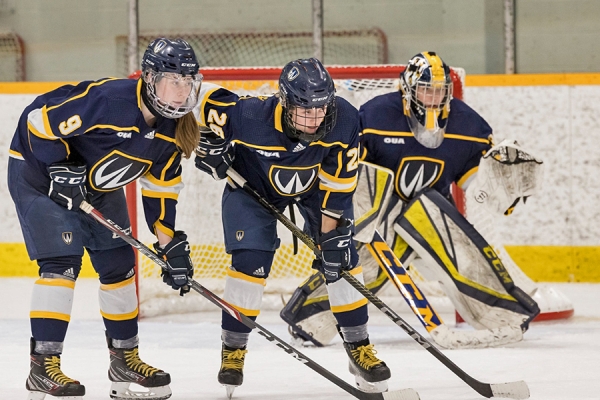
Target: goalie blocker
487, 299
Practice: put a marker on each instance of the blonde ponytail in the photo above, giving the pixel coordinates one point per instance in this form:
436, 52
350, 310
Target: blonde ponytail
187, 134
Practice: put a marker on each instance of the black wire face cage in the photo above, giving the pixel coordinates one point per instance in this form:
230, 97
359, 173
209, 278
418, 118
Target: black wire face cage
296, 132
167, 110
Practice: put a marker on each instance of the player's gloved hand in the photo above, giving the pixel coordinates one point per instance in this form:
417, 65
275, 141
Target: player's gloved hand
67, 184
335, 251
179, 263
214, 156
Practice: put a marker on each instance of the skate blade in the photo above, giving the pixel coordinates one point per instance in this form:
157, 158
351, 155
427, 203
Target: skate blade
229, 390
122, 391
42, 395
371, 387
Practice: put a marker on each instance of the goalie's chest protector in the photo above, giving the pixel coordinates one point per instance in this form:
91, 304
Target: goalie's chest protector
387, 140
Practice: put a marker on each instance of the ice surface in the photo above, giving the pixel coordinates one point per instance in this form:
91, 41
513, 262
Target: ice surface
559, 360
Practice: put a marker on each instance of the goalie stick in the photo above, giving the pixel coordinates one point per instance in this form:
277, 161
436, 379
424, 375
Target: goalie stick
443, 335
402, 394
514, 390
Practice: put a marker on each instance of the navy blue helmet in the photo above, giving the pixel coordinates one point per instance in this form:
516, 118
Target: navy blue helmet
426, 87
307, 95
176, 62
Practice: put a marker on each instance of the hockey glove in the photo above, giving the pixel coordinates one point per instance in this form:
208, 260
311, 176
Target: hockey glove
214, 156
67, 184
179, 263
335, 251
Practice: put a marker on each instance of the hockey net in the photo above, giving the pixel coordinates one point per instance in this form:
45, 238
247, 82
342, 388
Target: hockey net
198, 212
255, 49
12, 57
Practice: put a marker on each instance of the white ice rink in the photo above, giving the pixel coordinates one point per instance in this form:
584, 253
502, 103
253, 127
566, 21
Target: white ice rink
559, 360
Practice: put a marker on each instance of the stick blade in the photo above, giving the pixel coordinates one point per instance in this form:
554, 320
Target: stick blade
511, 390
402, 394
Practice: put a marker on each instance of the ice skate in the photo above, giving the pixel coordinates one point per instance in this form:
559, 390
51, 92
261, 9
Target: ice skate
231, 374
371, 374
46, 377
126, 368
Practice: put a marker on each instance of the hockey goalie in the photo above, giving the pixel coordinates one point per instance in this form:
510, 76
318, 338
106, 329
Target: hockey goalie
429, 234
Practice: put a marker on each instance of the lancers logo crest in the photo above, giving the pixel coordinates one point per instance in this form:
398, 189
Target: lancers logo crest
239, 235
116, 170
417, 173
292, 181
67, 237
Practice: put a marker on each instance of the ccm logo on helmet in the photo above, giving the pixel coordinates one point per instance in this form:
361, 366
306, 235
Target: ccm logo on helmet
320, 98
188, 64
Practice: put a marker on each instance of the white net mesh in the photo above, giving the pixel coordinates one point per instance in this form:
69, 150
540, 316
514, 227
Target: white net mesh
246, 49
12, 58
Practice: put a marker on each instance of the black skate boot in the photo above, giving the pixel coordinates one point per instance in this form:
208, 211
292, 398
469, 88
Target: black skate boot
371, 374
231, 374
46, 377
126, 368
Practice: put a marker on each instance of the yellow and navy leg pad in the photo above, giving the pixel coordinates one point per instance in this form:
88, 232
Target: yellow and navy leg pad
244, 292
119, 308
435, 229
51, 304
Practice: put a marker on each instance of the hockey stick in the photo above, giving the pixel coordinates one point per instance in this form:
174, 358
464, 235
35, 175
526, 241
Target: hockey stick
515, 390
442, 334
403, 394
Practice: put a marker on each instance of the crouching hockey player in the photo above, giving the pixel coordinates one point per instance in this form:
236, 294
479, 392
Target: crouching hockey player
300, 146
427, 140
84, 143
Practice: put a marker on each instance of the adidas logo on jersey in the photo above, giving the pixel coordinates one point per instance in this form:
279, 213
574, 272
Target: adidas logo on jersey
149, 135
259, 272
70, 273
130, 273
299, 147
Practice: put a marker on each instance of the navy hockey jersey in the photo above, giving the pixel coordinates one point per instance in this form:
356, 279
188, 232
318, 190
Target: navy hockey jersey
386, 140
278, 167
100, 124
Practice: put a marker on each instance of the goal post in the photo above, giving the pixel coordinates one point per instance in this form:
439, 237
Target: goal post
199, 207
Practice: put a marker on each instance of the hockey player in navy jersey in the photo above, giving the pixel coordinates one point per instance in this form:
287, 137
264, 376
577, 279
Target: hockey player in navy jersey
85, 142
429, 140
299, 146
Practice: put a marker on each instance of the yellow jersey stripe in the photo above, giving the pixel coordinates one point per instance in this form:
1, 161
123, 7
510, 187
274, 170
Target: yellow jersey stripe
84, 93
160, 195
349, 307
120, 317
113, 286
247, 278
50, 315
56, 282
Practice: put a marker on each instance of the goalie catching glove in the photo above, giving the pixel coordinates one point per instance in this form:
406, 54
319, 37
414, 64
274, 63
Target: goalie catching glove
335, 251
179, 264
214, 156
67, 184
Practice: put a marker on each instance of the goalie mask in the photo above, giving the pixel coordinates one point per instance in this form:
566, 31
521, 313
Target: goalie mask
307, 95
170, 78
426, 87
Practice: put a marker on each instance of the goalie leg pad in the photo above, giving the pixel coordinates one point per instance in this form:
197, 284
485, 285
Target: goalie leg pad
466, 265
308, 313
